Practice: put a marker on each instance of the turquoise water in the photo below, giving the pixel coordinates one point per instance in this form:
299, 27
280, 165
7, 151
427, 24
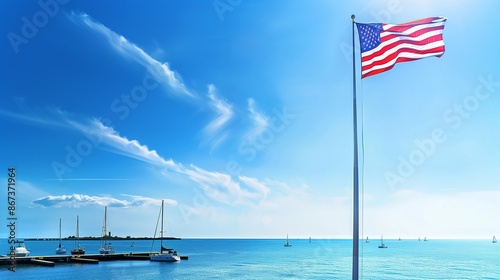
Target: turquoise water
269, 259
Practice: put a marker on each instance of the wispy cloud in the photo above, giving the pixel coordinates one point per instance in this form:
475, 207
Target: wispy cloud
224, 113
220, 187
260, 189
138, 200
80, 200
160, 71
259, 120
223, 109
51, 117
213, 131
122, 145
223, 188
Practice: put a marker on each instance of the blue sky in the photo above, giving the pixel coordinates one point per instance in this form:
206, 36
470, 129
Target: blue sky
239, 114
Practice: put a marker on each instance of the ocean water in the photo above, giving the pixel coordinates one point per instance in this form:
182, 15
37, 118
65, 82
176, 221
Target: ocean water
269, 259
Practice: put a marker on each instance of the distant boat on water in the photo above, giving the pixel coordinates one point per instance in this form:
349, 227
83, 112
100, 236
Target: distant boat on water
77, 250
105, 245
367, 241
287, 244
425, 238
60, 250
382, 245
494, 239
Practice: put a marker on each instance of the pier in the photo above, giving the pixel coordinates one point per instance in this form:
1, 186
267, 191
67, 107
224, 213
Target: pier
52, 260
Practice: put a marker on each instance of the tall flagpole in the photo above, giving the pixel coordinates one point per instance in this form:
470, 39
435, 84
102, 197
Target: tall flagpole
355, 231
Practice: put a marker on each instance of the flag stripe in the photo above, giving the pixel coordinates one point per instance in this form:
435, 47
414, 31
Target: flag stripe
395, 47
384, 45
427, 38
401, 57
415, 36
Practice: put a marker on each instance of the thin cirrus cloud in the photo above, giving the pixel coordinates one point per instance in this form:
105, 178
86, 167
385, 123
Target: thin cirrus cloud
138, 200
160, 71
259, 120
221, 187
122, 145
80, 200
224, 113
260, 189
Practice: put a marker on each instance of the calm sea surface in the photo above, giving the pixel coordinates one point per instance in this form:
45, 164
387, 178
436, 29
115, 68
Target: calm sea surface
269, 259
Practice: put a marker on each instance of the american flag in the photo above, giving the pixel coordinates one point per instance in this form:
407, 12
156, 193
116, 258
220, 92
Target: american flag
383, 45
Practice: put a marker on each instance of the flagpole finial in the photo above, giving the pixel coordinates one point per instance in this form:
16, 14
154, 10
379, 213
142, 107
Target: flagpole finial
353, 17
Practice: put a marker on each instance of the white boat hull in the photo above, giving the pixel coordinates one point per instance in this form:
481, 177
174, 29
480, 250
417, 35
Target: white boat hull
21, 252
165, 258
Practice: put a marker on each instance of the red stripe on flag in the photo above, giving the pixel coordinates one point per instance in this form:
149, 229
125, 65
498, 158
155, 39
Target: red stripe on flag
439, 51
393, 46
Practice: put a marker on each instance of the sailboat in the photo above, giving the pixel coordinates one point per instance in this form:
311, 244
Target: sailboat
77, 250
287, 244
367, 241
165, 255
494, 239
60, 249
382, 245
105, 245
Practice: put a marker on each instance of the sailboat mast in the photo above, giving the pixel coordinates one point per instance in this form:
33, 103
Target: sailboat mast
161, 231
59, 232
77, 232
105, 221
104, 229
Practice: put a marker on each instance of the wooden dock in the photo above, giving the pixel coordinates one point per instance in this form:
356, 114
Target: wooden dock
42, 262
83, 259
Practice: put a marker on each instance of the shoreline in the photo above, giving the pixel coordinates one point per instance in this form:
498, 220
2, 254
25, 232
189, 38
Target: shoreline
99, 238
